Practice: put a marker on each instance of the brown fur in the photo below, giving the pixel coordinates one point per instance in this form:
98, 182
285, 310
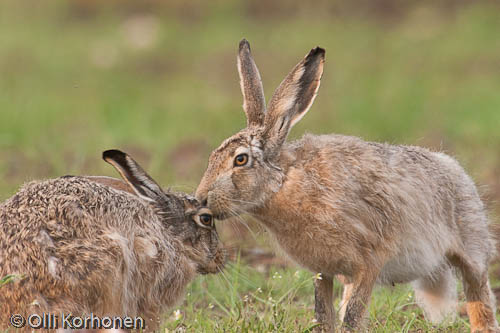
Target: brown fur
480, 317
117, 184
82, 246
339, 205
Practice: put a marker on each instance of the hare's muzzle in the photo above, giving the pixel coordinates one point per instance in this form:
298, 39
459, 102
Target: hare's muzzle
216, 264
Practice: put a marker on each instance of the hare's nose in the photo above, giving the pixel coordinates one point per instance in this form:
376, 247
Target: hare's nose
204, 202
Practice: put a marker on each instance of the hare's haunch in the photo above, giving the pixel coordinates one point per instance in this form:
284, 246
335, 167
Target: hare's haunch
368, 212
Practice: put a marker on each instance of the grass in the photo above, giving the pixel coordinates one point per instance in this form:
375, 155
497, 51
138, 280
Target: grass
7, 279
282, 301
10, 278
160, 82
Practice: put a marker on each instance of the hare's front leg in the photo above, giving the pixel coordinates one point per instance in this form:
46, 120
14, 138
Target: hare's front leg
323, 297
361, 291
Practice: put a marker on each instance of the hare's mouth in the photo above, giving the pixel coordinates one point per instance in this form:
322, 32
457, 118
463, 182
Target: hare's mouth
216, 263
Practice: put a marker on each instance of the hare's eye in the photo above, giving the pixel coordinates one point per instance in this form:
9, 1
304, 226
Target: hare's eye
241, 160
206, 219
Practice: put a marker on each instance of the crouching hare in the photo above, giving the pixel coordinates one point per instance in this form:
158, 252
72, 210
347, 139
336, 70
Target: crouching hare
369, 212
100, 246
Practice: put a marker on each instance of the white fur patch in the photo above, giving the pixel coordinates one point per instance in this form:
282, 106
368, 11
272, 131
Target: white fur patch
437, 295
146, 247
52, 267
241, 150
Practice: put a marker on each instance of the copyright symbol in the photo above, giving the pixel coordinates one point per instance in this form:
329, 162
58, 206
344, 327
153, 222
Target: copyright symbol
17, 321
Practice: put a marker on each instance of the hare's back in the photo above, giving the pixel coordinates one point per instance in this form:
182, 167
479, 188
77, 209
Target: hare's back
72, 207
392, 189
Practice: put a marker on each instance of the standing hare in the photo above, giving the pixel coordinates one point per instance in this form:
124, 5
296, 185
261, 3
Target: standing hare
337, 205
100, 246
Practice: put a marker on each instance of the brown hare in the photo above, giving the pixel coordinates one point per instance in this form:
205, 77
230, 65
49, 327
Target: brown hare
337, 205
100, 246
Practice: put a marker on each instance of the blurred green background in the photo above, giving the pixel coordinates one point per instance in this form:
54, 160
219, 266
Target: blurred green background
158, 79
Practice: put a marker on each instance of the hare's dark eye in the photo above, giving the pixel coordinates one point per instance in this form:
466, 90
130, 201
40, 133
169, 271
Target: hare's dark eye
241, 160
206, 219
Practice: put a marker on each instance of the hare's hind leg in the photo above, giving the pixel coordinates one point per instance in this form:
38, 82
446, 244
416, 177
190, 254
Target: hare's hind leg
323, 297
480, 300
472, 259
437, 294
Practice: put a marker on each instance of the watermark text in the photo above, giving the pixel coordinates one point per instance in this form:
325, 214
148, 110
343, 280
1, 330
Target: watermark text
47, 321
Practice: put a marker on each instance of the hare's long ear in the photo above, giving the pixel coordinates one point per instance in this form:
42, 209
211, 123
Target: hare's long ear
254, 103
145, 187
293, 98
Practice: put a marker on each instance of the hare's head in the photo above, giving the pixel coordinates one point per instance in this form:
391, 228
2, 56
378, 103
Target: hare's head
182, 214
245, 170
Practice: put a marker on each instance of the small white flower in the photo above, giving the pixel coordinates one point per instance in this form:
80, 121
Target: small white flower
259, 290
314, 321
297, 274
270, 299
177, 314
245, 298
210, 306
318, 277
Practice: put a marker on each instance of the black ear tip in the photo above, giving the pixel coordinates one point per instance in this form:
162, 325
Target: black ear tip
317, 51
112, 154
244, 44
